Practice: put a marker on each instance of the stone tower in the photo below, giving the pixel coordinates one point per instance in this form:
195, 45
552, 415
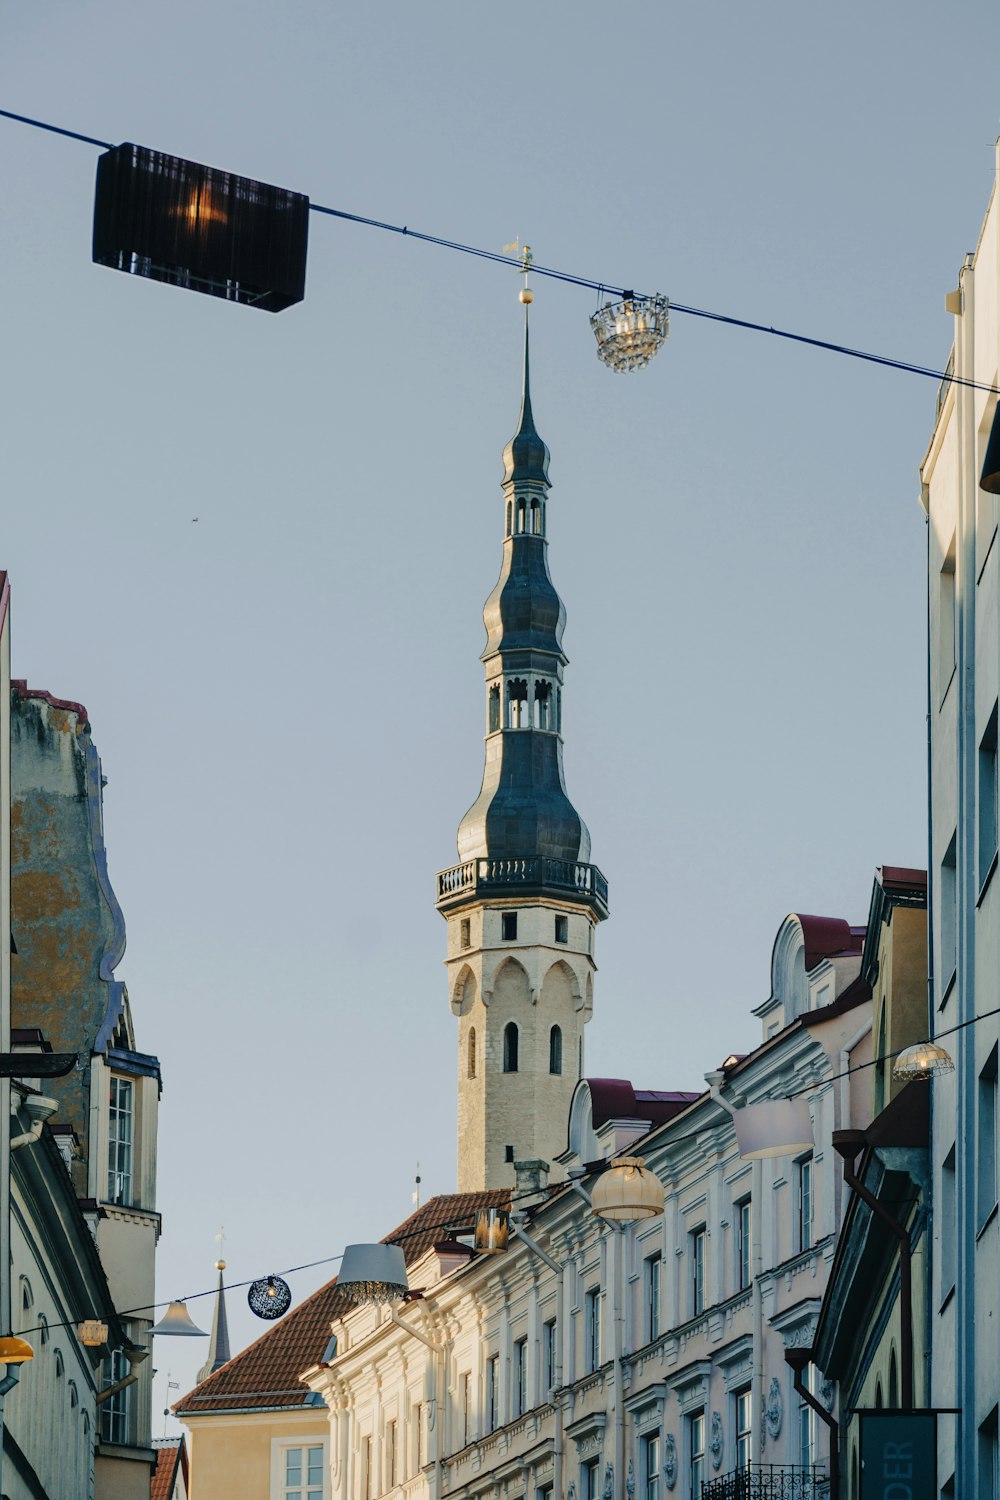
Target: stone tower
524, 900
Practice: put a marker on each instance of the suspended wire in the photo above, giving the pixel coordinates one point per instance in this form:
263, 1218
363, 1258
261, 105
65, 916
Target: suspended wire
943, 377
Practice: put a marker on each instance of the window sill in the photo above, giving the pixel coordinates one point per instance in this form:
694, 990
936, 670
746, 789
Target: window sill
987, 1222
986, 881
947, 991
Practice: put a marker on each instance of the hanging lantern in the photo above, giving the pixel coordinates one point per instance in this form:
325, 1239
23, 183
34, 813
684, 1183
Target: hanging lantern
629, 332
210, 231
15, 1351
373, 1273
92, 1332
627, 1191
922, 1060
777, 1127
270, 1297
492, 1231
177, 1320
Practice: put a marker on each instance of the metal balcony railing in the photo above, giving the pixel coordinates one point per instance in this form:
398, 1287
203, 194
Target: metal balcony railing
769, 1482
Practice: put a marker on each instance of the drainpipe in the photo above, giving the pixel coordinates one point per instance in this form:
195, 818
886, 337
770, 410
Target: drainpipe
715, 1081
6, 1384
617, 1319
799, 1359
517, 1222
38, 1109
437, 1348
849, 1143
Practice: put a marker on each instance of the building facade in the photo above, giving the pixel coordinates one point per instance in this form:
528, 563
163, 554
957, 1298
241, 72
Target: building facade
963, 688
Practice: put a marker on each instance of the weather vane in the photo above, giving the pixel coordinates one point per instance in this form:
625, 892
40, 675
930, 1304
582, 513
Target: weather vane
525, 295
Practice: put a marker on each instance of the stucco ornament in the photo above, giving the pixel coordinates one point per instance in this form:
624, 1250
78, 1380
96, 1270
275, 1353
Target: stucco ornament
608, 1492
630, 1480
715, 1444
670, 1461
773, 1410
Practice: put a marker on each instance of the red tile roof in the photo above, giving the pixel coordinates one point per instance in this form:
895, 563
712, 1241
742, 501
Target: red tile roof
171, 1455
265, 1375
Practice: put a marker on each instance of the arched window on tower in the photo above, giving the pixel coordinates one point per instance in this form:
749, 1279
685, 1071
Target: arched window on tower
509, 516
555, 1050
510, 1048
494, 707
557, 726
520, 516
543, 706
536, 518
472, 1052
517, 703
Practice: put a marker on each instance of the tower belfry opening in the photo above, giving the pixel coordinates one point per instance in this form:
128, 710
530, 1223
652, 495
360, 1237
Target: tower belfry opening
524, 899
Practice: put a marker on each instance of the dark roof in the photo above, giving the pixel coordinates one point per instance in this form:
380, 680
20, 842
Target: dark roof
616, 1099
893, 886
826, 937
265, 1375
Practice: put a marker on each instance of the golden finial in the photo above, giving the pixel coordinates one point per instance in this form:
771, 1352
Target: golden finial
220, 1238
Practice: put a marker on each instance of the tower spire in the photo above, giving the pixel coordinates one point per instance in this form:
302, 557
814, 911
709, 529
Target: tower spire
218, 1344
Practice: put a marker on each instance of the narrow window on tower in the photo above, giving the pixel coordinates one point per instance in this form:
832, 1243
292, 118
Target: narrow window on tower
562, 929
555, 1050
536, 523
517, 703
508, 517
520, 515
465, 932
494, 707
543, 706
472, 1053
510, 1048
508, 926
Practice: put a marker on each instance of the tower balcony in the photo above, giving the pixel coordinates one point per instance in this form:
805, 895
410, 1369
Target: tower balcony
483, 879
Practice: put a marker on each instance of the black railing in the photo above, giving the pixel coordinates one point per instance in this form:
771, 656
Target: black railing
768, 1482
556, 874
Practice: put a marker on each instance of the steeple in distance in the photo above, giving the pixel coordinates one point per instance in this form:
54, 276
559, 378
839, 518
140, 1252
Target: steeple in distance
218, 1344
524, 901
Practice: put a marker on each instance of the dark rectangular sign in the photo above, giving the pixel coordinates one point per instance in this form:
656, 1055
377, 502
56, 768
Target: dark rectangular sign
898, 1455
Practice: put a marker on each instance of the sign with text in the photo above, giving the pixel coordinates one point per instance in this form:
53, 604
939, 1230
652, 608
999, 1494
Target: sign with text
898, 1455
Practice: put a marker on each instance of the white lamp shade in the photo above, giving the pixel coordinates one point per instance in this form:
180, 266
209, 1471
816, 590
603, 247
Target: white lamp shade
627, 1192
778, 1127
373, 1273
177, 1321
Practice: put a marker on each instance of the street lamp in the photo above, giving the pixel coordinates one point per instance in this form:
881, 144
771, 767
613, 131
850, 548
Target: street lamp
373, 1273
921, 1061
630, 332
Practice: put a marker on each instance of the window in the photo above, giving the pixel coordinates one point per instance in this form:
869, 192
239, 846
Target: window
542, 717
651, 1466
471, 1069
120, 1142
517, 703
592, 1329
301, 1473
494, 708
651, 1297
744, 1272
949, 914
562, 929
492, 1391
555, 1050
744, 1445
366, 1469
590, 1477
389, 1467
465, 1388
697, 1247
549, 1352
946, 622
989, 1466
696, 1431
893, 1380
508, 926
115, 1410
520, 1374
418, 1436
508, 1153
947, 1224
510, 1048
465, 934
805, 1177
986, 1142
988, 798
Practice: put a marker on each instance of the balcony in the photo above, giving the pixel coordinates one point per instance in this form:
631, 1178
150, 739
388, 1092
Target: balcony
479, 878
769, 1482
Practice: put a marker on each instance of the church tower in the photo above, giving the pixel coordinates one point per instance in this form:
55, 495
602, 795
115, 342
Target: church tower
524, 901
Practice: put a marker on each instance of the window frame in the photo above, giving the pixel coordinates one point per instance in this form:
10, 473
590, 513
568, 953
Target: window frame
652, 1274
743, 1211
697, 1245
650, 1472
121, 1147
696, 1454
280, 1446
805, 1203
592, 1329
519, 1378
491, 1377
743, 1426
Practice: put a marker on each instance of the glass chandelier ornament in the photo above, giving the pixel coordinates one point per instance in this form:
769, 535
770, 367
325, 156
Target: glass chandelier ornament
629, 332
922, 1060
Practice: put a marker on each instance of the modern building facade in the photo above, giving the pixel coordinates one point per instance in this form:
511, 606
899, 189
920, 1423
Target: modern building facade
963, 688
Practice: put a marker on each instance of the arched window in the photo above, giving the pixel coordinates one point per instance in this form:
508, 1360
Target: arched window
536, 518
59, 1365
543, 705
517, 703
879, 1403
73, 1398
510, 1048
494, 707
43, 1329
27, 1297
472, 1052
893, 1380
520, 515
555, 1050
508, 517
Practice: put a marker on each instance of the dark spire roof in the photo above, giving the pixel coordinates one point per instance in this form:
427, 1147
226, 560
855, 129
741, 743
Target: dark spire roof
526, 457
218, 1344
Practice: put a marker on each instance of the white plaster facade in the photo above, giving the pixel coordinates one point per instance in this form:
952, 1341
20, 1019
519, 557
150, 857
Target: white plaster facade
964, 683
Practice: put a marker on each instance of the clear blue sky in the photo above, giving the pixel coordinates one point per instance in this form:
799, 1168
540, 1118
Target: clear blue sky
287, 694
